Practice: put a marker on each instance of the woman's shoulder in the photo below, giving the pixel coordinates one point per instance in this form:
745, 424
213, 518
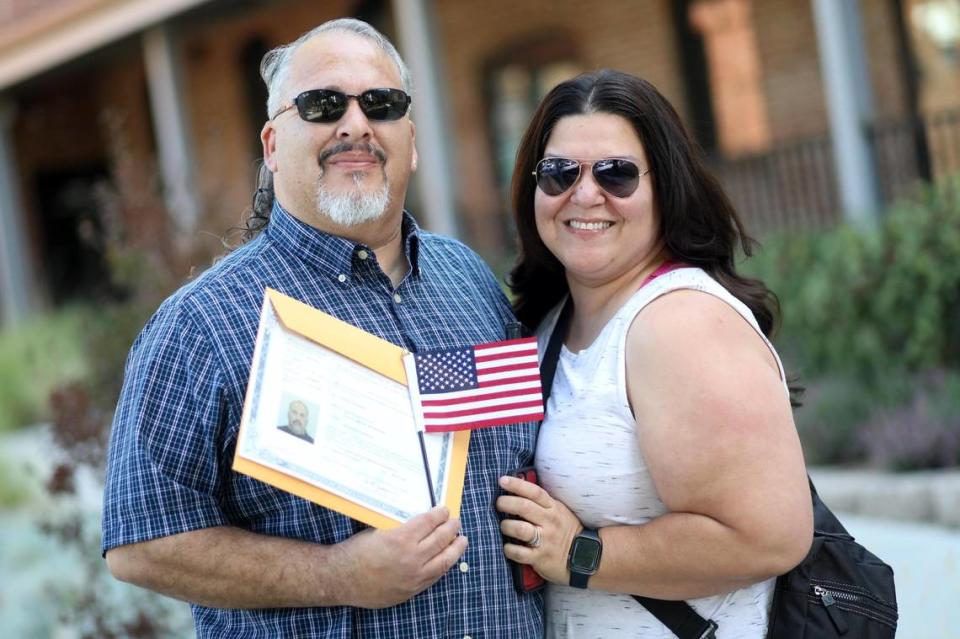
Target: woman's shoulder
684, 277
686, 311
696, 328
686, 299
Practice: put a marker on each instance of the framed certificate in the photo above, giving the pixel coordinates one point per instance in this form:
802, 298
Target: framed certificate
328, 417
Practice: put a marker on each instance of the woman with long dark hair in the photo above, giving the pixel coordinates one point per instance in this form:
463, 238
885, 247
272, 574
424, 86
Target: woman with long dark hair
669, 462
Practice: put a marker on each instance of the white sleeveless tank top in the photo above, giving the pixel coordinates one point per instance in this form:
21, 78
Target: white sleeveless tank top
588, 457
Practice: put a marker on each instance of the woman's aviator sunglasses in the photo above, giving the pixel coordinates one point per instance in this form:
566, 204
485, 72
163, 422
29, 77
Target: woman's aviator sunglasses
617, 177
327, 106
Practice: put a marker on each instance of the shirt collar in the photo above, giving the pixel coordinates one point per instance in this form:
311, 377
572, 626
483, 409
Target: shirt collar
331, 253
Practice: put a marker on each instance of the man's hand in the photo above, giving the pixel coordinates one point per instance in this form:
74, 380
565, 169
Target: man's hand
388, 567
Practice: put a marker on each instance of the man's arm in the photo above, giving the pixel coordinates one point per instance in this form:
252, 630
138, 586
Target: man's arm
226, 567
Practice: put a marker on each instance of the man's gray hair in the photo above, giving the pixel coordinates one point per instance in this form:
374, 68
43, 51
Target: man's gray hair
276, 63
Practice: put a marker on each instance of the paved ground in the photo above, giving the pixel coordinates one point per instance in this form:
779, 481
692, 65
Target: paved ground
926, 566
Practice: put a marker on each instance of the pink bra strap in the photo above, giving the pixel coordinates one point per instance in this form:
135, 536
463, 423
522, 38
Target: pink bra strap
666, 267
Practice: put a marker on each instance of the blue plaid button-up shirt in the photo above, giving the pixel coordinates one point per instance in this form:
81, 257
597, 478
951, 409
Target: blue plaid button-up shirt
175, 429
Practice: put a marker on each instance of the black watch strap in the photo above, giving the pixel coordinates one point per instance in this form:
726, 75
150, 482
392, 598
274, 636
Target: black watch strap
580, 578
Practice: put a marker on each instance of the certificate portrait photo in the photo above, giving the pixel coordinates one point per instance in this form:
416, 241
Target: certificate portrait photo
295, 418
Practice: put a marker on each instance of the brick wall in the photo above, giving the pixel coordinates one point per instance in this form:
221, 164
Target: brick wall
787, 44
883, 58
636, 36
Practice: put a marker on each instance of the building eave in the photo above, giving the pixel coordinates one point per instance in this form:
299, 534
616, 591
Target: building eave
45, 41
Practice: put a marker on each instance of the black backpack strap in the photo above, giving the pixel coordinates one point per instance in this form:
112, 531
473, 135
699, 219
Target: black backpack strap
678, 616
548, 366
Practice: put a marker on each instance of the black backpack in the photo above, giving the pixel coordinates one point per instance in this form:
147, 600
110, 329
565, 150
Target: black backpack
840, 590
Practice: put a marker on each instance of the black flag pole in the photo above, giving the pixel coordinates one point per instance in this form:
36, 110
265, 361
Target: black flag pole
426, 468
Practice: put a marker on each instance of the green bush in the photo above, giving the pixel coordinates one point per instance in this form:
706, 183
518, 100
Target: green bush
870, 317
14, 490
37, 357
866, 303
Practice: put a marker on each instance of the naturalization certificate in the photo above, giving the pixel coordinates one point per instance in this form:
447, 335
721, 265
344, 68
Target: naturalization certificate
328, 416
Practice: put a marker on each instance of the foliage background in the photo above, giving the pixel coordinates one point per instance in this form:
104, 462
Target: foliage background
871, 322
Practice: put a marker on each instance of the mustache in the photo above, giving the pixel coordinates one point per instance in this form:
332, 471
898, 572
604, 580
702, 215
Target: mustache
347, 147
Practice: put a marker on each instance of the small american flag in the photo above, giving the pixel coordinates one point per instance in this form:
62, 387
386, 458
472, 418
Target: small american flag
479, 386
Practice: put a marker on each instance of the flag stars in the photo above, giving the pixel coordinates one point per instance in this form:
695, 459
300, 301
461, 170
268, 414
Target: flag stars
441, 371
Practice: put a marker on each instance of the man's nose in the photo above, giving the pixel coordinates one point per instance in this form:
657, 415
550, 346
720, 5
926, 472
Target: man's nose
354, 125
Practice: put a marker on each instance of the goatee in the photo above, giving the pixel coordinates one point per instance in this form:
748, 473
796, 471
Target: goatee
356, 206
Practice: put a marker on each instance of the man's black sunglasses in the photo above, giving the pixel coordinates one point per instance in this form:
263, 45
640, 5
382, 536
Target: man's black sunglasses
616, 176
327, 106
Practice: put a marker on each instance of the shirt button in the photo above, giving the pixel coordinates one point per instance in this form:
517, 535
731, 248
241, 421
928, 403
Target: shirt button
362, 254
464, 566
397, 298
341, 278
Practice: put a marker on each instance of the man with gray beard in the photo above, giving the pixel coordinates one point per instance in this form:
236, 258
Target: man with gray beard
329, 228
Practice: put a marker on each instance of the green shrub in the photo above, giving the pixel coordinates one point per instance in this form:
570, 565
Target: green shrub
14, 489
870, 317
37, 357
866, 303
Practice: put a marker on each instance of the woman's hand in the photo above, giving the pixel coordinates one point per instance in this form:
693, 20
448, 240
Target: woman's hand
539, 515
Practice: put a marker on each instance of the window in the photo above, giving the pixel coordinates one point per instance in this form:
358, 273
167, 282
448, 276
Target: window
515, 85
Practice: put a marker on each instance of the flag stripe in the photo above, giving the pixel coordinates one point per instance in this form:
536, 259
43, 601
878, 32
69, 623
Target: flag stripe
486, 423
502, 402
489, 357
518, 415
480, 410
466, 397
529, 361
494, 378
492, 388
504, 369
513, 345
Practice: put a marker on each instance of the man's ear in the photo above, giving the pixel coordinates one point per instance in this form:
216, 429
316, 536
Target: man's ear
268, 138
413, 142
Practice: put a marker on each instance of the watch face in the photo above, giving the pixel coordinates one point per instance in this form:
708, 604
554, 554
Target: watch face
585, 555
